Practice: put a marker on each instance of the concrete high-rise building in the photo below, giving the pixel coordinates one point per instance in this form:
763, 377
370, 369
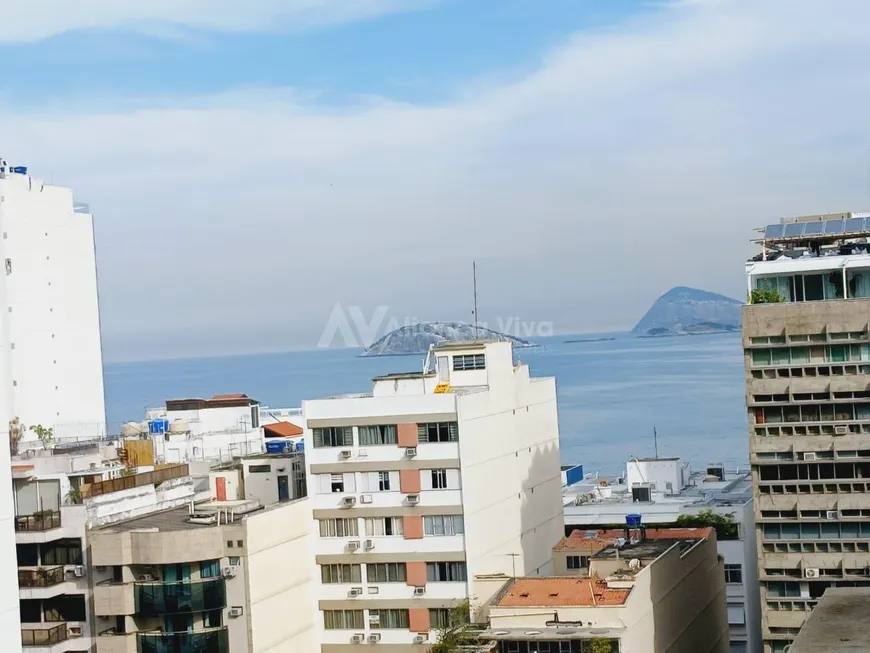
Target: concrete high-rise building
426, 490
806, 340
50, 351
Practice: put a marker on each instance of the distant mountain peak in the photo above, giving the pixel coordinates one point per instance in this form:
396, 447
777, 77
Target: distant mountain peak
416, 338
683, 310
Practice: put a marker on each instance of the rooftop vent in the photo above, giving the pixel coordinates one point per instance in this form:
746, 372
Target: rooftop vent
717, 470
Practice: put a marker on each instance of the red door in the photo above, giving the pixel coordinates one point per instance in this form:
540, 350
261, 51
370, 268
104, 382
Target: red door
221, 488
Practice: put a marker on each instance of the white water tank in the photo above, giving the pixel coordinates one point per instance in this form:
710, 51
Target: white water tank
133, 429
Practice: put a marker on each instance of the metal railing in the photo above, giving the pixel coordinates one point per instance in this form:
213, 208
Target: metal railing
136, 480
42, 577
44, 636
212, 640
37, 523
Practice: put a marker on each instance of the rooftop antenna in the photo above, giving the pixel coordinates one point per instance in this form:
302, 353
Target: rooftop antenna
474, 275
656, 441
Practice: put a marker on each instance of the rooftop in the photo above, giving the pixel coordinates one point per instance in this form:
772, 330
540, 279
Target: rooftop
557, 592
233, 400
657, 540
837, 624
281, 429
464, 344
814, 236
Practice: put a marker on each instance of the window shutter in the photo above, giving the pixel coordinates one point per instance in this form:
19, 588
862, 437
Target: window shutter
453, 480
349, 484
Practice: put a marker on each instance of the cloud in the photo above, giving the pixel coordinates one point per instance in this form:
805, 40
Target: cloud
39, 19
631, 160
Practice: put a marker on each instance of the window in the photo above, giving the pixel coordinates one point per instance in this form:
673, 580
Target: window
578, 562
443, 525
469, 362
438, 432
733, 573
333, 436
62, 552
388, 618
229, 544
384, 481
239, 544
384, 526
386, 572
338, 528
343, 619
8, 266
336, 483
340, 573
439, 479
372, 435
212, 619
209, 569
439, 617
445, 572
260, 469
235, 561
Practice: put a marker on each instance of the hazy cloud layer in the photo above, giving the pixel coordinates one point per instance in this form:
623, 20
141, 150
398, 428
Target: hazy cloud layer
632, 160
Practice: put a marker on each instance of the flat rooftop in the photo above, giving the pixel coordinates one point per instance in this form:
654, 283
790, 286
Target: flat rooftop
557, 592
600, 543
838, 623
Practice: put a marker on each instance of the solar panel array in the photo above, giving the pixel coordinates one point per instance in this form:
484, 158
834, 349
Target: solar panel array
816, 228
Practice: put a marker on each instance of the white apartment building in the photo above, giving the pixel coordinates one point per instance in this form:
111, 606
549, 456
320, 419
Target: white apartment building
662, 490
10, 620
426, 489
51, 359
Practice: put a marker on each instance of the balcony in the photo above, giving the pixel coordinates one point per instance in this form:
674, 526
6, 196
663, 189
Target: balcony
156, 599
33, 635
212, 640
41, 577
38, 523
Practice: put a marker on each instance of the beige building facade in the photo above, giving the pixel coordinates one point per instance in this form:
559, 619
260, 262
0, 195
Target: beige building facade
807, 355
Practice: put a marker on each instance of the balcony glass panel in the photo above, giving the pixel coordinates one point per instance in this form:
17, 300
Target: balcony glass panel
169, 598
43, 636
214, 640
42, 577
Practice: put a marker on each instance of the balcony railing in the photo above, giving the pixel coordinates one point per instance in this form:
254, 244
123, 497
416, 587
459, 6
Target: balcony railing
155, 599
136, 480
44, 636
42, 577
212, 640
37, 523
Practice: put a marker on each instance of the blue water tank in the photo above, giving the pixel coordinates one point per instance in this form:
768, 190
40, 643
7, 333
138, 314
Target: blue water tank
633, 520
574, 475
18, 170
156, 426
300, 445
275, 446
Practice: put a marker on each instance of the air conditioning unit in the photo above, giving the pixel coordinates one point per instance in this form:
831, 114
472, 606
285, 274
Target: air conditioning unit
370, 544
347, 502
357, 638
355, 591
345, 453
413, 499
811, 573
229, 572
421, 639
831, 514
410, 451
79, 571
365, 498
419, 590
236, 611
374, 638
809, 456
74, 631
841, 430
353, 545
362, 453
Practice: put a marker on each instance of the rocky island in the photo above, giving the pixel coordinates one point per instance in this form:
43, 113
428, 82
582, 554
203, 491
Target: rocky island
684, 311
416, 338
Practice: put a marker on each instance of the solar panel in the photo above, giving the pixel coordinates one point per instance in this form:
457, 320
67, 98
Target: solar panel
834, 226
814, 228
773, 231
794, 229
854, 224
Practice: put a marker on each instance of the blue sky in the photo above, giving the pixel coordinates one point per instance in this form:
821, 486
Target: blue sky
250, 165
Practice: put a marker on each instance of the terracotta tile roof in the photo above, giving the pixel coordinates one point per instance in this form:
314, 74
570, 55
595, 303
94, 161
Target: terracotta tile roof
546, 592
578, 541
281, 430
232, 395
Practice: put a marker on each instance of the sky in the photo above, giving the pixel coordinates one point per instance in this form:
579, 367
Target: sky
251, 166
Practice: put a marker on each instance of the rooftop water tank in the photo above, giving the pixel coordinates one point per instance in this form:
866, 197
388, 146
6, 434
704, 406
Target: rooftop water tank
157, 426
133, 429
300, 445
633, 520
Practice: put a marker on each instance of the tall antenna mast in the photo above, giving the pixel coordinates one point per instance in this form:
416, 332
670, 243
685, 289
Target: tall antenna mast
656, 441
474, 275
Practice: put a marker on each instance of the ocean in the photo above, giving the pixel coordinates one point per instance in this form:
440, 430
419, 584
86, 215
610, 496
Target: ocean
612, 393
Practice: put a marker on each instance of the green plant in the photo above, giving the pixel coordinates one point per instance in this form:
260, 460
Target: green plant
765, 296
44, 513
601, 646
456, 632
45, 435
74, 495
724, 524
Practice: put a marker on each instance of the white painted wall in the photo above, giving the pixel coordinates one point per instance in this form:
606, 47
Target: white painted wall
10, 623
52, 362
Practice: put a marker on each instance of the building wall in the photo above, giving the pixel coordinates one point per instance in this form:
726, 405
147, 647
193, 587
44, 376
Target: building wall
10, 622
282, 575
51, 313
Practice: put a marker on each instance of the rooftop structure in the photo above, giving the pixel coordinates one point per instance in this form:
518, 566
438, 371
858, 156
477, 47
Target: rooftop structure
838, 623
656, 590
807, 358
661, 491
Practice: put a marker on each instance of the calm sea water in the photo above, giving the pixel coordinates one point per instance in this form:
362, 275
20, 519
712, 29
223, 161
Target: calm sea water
611, 393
